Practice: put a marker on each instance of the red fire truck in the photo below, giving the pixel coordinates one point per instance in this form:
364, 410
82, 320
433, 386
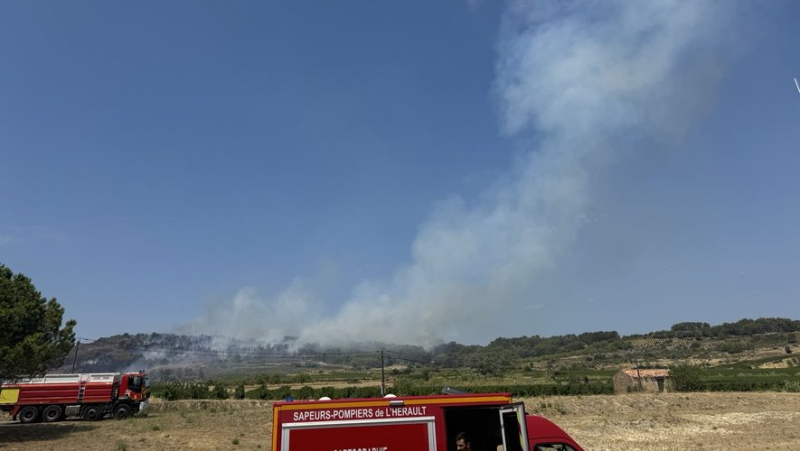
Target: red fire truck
89, 396
419, 423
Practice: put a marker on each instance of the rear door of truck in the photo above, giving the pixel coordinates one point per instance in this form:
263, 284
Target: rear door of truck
416, 434
514, 427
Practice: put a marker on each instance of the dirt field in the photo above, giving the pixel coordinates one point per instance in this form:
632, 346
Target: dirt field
686, 421
707, 421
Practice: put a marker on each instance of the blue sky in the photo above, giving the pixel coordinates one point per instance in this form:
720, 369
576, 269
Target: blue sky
412, 172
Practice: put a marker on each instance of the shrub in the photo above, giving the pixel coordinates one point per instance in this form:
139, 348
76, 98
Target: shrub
239, 392
686, 378
219, 392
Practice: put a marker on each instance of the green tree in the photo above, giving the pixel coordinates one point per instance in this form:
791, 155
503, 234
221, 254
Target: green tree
32, 339
239, 392
220, 392
686, 378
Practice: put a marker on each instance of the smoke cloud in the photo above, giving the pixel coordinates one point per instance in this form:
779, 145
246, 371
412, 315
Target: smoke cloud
587, 82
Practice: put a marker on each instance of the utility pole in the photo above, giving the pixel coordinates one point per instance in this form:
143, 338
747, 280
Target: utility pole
75, 358
383, 376
639, 376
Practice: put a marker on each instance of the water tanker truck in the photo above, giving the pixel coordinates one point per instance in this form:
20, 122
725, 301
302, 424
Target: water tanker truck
88, 396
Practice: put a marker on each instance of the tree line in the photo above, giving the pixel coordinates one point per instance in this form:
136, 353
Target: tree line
172, 391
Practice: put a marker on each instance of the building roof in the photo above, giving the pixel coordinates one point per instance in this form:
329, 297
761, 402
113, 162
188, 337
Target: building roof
634, 373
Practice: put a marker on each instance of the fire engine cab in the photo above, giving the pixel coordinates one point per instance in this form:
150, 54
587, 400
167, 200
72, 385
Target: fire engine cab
418, 423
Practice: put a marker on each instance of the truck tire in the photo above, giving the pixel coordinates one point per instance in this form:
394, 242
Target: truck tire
52, 413
122, 412
92, 413
28, 414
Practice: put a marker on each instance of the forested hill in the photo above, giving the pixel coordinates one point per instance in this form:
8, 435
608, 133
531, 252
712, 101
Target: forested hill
194, 356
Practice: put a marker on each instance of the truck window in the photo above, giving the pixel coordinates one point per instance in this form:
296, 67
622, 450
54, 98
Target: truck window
135, 383
554, 447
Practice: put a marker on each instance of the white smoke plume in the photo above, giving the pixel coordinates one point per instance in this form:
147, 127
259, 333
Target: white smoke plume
250, 316
587, 82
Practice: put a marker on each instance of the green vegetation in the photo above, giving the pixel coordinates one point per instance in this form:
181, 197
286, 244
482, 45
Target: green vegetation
686, 378
239, 391
744, 327
219, 392
171, 391
735, 378
31, 337
175, 391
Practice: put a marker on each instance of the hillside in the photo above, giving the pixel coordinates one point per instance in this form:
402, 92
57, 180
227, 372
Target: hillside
764, 342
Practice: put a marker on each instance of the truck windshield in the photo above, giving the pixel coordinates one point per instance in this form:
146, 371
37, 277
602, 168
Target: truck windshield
135, 383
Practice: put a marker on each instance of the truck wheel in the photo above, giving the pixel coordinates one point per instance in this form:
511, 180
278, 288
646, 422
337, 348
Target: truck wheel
28, 414
52, 413
122, 412
92, 413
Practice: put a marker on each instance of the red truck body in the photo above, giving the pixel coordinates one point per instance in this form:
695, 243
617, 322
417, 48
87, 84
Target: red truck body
419, 423
90, 396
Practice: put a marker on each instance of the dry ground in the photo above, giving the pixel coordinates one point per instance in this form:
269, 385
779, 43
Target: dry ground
640, 422
685, 421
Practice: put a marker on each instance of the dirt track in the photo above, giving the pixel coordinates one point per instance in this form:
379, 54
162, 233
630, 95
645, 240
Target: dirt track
707, 421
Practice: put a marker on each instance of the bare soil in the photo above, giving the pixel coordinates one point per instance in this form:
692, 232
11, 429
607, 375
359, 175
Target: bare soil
636, 422
677, 421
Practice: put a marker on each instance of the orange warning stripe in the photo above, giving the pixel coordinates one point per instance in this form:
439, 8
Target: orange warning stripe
385, 402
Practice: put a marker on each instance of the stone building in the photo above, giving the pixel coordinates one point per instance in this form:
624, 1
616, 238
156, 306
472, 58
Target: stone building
632, 380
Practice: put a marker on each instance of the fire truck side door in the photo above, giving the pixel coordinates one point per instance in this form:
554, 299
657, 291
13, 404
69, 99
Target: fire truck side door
514, 428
